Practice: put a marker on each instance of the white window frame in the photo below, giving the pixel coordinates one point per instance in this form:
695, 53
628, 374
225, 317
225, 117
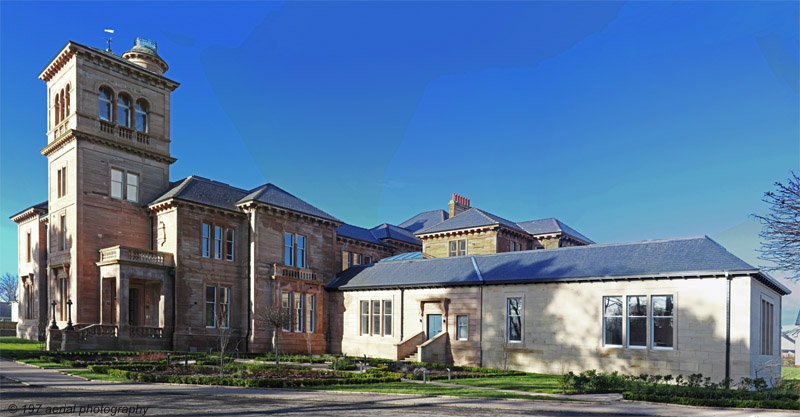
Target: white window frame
521, 318
205, 240
376, 317
287, 304
300, 253
621, 317
628, 316
652, 322
226, 302
312, 312
288, 247
459, 326
126, 194
213, 304
230, 244
299, 310
365, 317
387, 317
217, 247
368, 260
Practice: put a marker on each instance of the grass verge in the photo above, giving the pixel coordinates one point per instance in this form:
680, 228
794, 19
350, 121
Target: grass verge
530, 382
790, 372
426, 389
92, 375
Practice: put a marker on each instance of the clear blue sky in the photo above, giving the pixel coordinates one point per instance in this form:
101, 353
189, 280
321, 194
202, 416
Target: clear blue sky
628, 121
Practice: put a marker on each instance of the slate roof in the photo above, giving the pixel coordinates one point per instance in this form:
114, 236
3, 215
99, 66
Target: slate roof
274, 196
424, 220
390, 231
204, 191
360, 233
41, 206
403, 256
471, 218
551, 225
647, 259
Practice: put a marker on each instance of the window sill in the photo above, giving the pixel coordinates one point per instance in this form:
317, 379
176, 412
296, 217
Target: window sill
637, 347
661, 348
613, 346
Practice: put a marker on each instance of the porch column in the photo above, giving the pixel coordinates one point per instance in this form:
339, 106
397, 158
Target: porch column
123, 289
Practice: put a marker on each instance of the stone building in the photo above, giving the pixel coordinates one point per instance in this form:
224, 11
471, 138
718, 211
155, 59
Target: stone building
121, 257
676, 306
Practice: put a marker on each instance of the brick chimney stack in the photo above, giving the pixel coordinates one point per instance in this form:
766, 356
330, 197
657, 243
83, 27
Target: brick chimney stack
458, 205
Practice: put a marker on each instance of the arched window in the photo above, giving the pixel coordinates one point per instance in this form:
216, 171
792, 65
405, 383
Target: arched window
63, 105
104, 103
142, 115
57, 110
124, 110
67, 102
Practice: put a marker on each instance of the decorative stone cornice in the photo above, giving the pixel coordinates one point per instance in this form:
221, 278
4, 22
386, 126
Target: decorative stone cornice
28, 214
71, 135
107, 59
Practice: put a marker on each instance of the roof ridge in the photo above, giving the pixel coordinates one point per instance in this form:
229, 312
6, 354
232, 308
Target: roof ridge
482, 213
215, 182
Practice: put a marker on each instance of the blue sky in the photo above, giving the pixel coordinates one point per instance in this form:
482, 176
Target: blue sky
627, 121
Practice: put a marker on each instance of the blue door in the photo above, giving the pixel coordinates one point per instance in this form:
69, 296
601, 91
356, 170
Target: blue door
434, 325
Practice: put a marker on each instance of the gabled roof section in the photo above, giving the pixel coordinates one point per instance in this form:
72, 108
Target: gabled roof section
360, 233
552, 225
469, 219
35, 209
203, 191
390, 231
683, 257
273, 195
424, 220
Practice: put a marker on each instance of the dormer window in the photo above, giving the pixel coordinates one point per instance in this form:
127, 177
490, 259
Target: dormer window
104, 104
142, 110
124, 110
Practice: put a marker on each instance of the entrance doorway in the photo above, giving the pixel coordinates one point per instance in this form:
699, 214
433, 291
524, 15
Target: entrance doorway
434, 325
135, 303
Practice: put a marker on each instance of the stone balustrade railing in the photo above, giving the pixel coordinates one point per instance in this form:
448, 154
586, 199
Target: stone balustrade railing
146, 332
96, 330
285, 271
124, 253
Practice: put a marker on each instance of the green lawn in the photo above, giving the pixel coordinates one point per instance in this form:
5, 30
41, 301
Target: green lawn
15, 343
530, 382
101, 377
427, 389
43, 364
789, 372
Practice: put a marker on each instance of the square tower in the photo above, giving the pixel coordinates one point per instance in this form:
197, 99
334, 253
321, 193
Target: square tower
108, 154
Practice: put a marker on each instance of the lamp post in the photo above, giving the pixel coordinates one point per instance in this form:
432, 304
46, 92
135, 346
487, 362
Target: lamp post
69, 316
53, 325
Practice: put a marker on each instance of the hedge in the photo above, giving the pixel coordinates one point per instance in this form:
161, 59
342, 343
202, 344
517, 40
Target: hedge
248, 382
786, 404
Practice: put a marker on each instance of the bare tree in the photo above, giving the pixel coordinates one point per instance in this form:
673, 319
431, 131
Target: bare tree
780, 238
9, 284
276, 318
223, 337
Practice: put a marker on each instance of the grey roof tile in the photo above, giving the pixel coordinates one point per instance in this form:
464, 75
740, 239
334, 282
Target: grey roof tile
204, 191
671, 257
273, 195
390, 231
424, 220
360, 233
551, 225
471, 218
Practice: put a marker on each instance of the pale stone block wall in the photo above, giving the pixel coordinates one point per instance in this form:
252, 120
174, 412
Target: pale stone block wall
563, 325
764, 366
415, 305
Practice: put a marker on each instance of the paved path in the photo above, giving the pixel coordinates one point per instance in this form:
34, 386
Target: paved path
53, 379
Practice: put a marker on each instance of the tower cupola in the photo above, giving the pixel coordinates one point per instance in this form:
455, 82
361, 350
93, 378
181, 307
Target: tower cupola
144, 54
